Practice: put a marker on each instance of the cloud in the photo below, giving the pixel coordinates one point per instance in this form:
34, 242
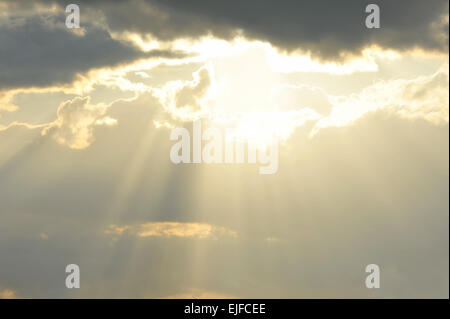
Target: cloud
6, 103
294, 97
424, 97
326, 28
8, 294
173, 229
377, 183
43, 236
185, 99
273, 240
21, 124
42, 52
75, 122
372, 179
189, 95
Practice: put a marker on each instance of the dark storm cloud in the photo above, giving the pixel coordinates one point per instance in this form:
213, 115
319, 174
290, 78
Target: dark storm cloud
324, 27
41, 52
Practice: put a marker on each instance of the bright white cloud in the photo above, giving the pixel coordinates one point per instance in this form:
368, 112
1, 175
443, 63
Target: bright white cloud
424, 97
75, 122
187, 99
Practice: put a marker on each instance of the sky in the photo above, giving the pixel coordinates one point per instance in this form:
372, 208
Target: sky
361, 116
